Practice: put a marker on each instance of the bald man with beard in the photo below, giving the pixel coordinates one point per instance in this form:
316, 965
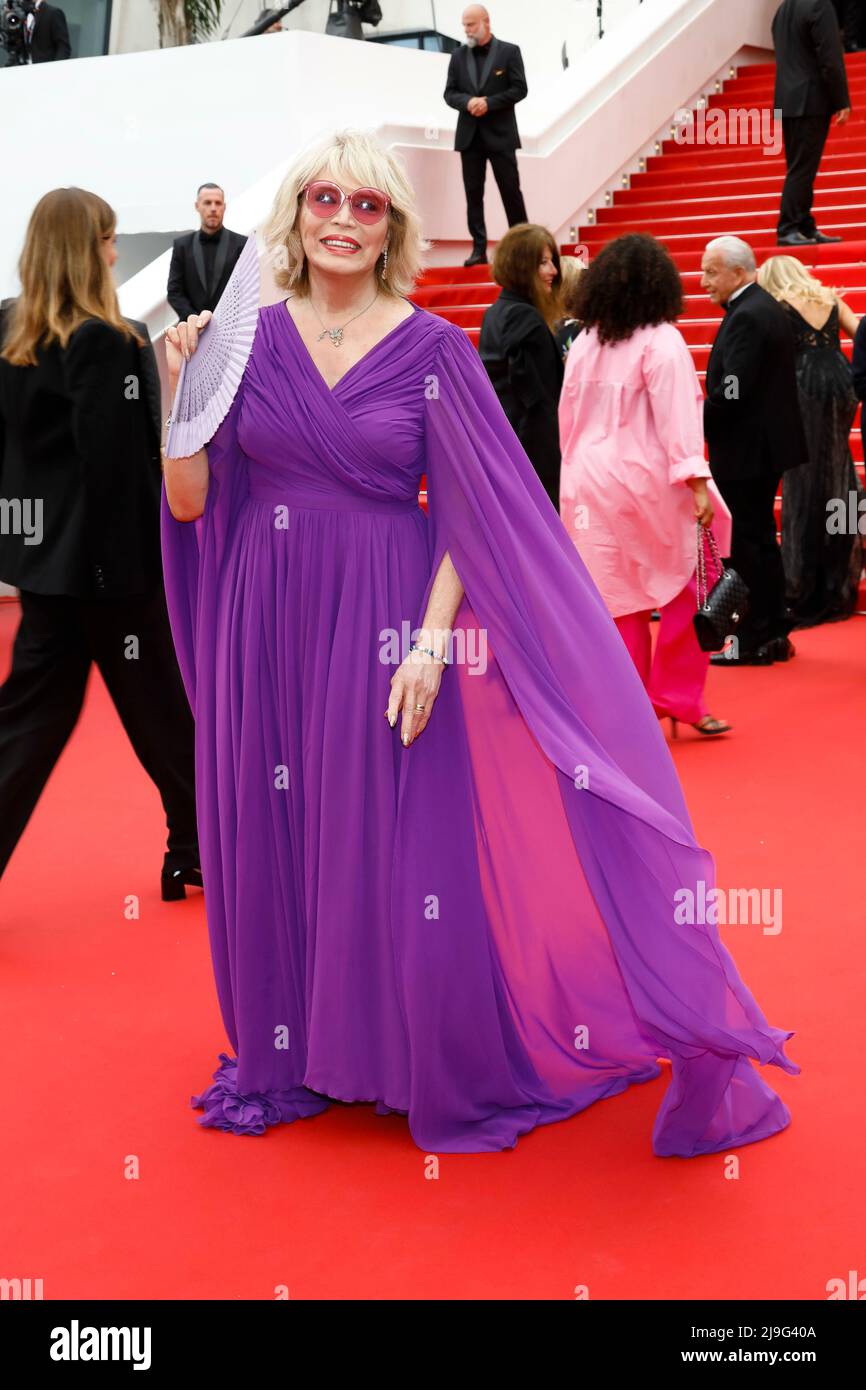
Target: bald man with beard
485, 82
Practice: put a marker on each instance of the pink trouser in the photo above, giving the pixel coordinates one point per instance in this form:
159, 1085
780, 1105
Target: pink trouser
675, 675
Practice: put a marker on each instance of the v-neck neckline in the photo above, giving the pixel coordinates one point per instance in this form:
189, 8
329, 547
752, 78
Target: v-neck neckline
361, 360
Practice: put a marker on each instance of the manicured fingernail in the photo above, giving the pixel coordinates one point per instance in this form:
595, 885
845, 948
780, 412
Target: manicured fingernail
392, 720
406, 739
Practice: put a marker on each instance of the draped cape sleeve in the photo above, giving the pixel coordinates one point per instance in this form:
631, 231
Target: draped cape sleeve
542, 815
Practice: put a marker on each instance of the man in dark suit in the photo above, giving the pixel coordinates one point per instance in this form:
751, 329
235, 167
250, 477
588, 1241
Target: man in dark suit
46, 34
810, 87
202, 261
754, 432
485, 81
858, 374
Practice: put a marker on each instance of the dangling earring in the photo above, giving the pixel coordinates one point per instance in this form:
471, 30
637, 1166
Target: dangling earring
384, 260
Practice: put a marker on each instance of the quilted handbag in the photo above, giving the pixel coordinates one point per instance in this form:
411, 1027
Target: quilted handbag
725, 605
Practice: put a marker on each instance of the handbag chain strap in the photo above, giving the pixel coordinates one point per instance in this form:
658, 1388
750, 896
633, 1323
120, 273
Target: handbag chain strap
706, 531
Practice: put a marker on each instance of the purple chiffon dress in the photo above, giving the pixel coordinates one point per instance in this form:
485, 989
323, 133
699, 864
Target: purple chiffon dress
480, 930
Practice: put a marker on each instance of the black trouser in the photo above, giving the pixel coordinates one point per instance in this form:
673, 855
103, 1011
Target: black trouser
505, 171
756, 556
804, 138
853, 16
57, 640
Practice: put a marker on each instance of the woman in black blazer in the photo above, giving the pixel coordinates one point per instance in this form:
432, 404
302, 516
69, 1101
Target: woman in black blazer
518, 347
80, 483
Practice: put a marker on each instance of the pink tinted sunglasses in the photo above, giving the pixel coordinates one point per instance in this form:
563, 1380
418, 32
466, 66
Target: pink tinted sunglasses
369, 205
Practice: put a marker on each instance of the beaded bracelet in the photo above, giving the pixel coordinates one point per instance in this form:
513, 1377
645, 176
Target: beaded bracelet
429, 652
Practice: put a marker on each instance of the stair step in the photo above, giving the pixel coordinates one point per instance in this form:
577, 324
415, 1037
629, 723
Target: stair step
663, 184
847, 252
444, 295
762, 239
647, 203
705, 214
455, 275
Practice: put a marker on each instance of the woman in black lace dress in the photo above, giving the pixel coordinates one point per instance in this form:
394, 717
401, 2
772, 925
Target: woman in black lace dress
823, 559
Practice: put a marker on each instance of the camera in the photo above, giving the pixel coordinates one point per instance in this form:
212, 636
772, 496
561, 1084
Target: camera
12, 29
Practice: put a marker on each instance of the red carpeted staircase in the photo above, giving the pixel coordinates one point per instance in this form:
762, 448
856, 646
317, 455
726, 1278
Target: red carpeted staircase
691, 193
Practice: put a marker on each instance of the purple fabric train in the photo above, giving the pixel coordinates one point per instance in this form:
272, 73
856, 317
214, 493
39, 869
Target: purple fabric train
479, 931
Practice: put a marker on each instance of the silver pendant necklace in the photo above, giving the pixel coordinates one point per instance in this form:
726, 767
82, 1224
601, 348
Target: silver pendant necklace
336, 334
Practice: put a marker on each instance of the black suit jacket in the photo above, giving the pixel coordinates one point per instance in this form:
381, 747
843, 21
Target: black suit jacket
752, 418
858, 362
503, 83
858, 372
80, 433
187, 291
50, 40
525, 366
810, 61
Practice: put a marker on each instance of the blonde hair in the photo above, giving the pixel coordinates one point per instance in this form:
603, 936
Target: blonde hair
572, 269
64, 278
353, 158
784, 276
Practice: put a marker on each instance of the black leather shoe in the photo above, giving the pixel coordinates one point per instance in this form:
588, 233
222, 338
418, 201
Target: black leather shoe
758, 656
795, 239
821, 239
477, 258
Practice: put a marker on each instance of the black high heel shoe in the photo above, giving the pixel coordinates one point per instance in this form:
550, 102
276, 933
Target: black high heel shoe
177, 878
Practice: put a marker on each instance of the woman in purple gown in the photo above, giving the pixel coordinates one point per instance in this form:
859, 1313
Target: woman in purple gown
472, 916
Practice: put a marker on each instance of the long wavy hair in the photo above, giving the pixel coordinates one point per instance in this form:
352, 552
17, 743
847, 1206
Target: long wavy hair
64, 278
785, 277
352, 158
515, 268
632, 283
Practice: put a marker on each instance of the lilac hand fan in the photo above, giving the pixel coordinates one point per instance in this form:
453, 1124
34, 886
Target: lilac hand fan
208, 381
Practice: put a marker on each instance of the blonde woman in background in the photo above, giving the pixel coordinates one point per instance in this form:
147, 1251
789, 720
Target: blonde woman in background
822, 568
568, 327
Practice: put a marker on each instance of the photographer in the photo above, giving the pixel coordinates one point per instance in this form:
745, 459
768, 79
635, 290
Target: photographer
43, 28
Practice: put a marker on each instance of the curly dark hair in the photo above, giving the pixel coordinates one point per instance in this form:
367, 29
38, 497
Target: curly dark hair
631, 284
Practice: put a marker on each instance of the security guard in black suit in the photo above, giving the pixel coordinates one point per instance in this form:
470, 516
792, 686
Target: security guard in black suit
202, 261
811, 86
485, 81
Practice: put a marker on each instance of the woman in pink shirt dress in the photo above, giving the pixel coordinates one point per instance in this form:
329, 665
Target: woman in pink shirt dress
634, 478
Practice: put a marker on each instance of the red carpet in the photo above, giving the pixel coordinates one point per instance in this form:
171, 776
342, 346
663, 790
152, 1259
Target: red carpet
111, 1024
